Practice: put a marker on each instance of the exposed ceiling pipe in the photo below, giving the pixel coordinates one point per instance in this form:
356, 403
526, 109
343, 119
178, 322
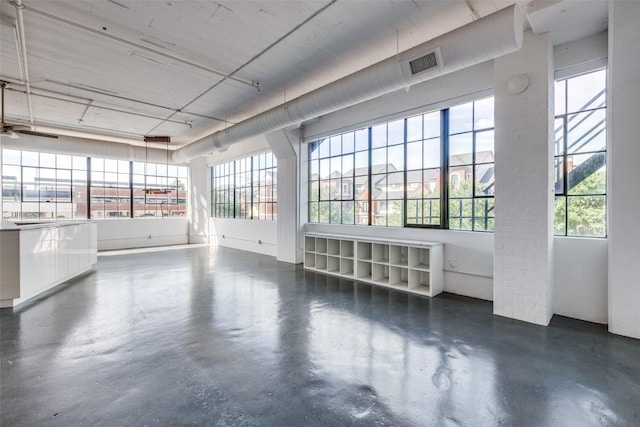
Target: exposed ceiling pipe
473, 12
22, 46
490, 37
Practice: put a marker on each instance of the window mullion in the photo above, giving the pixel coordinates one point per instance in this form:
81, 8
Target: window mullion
473, 174
565, 168
131, 190
233, 189
404, 179
370, 176
251, 189
444, 165
89, 185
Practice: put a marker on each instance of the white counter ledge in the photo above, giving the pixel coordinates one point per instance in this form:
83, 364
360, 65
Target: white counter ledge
35, 257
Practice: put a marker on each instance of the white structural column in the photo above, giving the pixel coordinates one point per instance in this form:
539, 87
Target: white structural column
623, 128
1, 174
284, 145
198, 201
523, 260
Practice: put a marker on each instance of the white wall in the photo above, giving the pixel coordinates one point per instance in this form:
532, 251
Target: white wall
245, 234
580, 278
142, 232
284, 145
580, 265
199, 204
580, 56
523, 262
623, 99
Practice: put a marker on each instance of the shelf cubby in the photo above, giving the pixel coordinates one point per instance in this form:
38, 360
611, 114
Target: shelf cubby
346, 267
310, 244
380, 273
399, 255
363, 271
321, 262
333, 247
310, 260
346, 248
419, 281
364, 251
321, 245
399, 277
419, 258
379, 252
333, 264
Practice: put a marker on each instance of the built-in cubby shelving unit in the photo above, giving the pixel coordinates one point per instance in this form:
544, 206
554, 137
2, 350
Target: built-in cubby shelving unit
408, 265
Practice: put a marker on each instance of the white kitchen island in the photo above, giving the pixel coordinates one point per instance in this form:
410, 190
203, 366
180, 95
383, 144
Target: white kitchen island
37, 257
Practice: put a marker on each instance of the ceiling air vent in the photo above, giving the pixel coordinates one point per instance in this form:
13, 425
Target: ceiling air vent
424, 63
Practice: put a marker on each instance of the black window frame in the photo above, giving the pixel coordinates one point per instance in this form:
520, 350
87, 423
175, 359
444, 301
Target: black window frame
443, 170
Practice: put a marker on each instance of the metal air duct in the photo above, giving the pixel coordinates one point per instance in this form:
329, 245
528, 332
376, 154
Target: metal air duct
490, 37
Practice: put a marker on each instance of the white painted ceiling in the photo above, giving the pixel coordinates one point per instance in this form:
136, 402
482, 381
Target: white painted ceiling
122, 69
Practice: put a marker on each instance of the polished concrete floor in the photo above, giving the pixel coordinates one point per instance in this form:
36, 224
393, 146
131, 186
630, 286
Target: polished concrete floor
206, 336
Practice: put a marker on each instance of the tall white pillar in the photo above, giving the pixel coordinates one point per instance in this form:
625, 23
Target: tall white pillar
623, 130
284, 144
198, 201
523, 258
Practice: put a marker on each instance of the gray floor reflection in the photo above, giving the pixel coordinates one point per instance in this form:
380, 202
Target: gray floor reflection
214, 336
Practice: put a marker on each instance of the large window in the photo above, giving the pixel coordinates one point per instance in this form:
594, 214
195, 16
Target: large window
45, 186
110, 191
424, 169
264, 203
391, 174
245, 188
222, 188
471, 166
387, 174
159, 190
580, 155
339, 179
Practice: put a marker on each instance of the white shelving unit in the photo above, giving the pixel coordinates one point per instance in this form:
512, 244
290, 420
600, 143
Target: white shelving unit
411, 266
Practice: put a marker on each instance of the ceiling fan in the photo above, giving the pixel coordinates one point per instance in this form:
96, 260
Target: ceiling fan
12, 130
